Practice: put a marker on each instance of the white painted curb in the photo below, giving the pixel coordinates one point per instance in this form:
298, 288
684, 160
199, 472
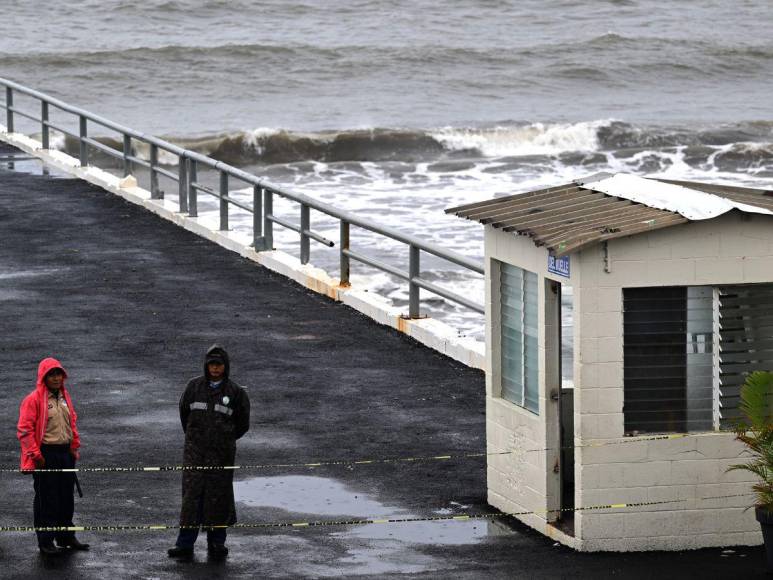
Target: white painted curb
433, 333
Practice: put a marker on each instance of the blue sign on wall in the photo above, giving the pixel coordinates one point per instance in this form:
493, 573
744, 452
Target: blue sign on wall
558, 266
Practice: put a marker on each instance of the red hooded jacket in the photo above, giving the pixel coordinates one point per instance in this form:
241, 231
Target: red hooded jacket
33, 416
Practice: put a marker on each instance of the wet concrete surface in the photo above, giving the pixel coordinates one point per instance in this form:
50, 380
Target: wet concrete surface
129, 303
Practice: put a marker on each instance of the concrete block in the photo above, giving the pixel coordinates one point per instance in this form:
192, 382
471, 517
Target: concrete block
612, 453
641, 524
610, 376
757, 269
603, 525
589, 350
734, 244
673, 449
589, 298
718, 446
649, 473
607, 400
610, 349
592, 498
637, 248
612, 475
671, 272
694, 471
719, 270
589, 375
626, 273
609, 300
598, 426
671, 493
698, 244
587, 477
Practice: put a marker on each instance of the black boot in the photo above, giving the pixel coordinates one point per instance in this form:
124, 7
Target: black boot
72, 544
180, 552
50, 550
217, 551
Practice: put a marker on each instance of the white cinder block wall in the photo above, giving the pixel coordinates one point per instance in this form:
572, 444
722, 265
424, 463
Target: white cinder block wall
609, 467
521, 480
728, 250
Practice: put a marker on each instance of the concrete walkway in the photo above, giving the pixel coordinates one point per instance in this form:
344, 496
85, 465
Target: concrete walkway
129, 303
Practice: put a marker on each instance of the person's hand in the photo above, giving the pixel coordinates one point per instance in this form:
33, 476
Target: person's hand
40, 462
75, 455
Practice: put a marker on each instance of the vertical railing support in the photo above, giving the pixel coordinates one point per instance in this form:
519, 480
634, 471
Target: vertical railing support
344, 246
257, 218
9, 109
84, 133
268, 225
223, 201
44, 132
414, 271
127, 152
155, 193
305, 239
193, 197
182, 189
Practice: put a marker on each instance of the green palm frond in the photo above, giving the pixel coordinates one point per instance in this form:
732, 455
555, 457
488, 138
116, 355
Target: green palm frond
755, 431
757, 401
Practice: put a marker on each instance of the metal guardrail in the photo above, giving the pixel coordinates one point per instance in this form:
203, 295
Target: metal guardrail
263, 196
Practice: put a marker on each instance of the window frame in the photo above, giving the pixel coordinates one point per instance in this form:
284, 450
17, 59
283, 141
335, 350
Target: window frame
523, 333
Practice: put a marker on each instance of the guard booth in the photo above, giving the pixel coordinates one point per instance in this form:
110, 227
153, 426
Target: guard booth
622, 315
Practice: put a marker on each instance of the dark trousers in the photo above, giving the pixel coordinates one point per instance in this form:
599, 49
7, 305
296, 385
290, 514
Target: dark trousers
187, 536
54, 504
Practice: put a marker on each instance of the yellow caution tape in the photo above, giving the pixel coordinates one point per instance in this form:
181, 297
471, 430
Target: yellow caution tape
357, 522
348, 462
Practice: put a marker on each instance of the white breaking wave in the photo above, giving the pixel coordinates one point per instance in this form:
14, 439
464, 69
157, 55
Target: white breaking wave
533, 139
252, 138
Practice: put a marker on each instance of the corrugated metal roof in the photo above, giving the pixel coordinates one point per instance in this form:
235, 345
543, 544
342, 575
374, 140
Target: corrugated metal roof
569, 217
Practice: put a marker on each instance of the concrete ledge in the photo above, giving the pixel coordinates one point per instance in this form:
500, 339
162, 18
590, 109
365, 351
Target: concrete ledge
430, 332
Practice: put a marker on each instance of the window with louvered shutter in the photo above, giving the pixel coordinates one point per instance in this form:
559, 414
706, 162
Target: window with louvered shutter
668, 359
687, 352
746, 342
519, 358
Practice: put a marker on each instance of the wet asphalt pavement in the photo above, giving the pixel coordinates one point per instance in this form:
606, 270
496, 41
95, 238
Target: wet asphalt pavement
129, 303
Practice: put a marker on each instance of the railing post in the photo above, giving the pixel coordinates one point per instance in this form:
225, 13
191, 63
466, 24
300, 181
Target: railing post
44, 134
155, 193
9, 109
127, 151
182, 189
268, 225
344, 244
257, 218
193, 203
305, 227
223, 201
413, 290
84, 153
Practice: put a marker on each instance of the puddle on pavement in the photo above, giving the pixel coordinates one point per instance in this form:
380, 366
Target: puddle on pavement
371, 549
328, 497
307, 494
442, 533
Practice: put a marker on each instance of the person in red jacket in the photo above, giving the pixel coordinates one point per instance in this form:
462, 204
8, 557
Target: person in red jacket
48, 433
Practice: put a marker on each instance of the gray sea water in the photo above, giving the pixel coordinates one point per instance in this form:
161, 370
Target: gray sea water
397, 110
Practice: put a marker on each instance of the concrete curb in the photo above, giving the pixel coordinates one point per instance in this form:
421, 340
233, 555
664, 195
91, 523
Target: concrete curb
432, 333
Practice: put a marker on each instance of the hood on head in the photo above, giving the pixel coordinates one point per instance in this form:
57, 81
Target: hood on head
46, 365
217, 351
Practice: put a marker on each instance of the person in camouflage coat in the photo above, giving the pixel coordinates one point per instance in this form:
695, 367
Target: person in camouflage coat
214, 412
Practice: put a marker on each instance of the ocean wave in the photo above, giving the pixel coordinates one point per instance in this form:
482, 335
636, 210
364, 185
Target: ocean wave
585, 143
